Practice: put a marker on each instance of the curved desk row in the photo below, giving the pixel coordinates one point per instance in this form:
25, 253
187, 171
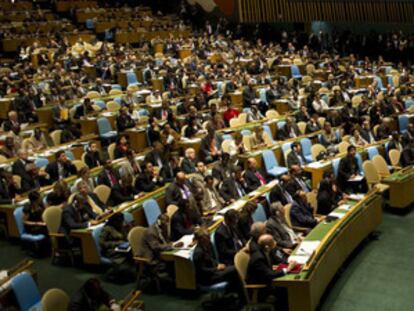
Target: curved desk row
338, 239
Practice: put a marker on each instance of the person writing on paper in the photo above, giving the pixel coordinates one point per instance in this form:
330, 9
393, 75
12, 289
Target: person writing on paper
349, 178
260, 271
209, 271
227, 239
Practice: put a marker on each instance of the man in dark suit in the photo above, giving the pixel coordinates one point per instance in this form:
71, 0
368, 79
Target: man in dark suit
156, 156
295, 157
276, 226
296, 181
279, 192
180, 189
164, 113
234, 187
12, 122
149, 179
75, 216
254, 178
92, 157
223, 168
91, 200
124, 120
249, 95
84, 109
184, 220
109, 176
155, 241
348, 169
226, 238
188, 165
60, 168
301, 213
289, 130
366, 133
407, 155
98, 87
19, 169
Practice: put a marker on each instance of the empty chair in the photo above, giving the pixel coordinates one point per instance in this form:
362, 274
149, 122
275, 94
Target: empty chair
259, 214
113, 106
246, 132
116, 87
105, 129
151, 210
79, 164
234, 122
131, 78
408, 103
69, 154
403, 121
335, 166
380, 86
247, 142
93, 94
262, 95
103, 192
381, 165
226, 137
372, 176
272, 114
56, 137
41, 162
372, 151
267, 130
100, 103
359, 161
294, 70
306, 149
111, 151
135, 239
343, 147
286, 147
316, 150
26, 292
394, 155
242, 118
271, 164
55, 300
302, 127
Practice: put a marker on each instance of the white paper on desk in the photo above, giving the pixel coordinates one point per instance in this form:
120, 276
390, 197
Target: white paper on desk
307, 248
184, 253
254, 193
140, 158
336, 214
316, 164
356, 178
107, 114
236, 205
272, 183
190, 140
356, 196
3, 274
187, 240
345, 207
217, 217
300, 260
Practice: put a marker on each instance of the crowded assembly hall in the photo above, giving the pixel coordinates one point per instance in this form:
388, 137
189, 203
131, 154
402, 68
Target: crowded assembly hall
206, 155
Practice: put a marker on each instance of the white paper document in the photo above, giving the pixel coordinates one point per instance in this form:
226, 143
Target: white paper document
187, 240
356, 196
356, 178
345, 207
184, 253
301, 260
307, 248
338, 215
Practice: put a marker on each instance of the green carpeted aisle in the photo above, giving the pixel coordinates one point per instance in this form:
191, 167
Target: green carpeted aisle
379, 276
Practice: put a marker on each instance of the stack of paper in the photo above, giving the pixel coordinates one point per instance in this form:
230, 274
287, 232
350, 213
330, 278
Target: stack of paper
307, 248
184, 253
336, 214
356, 196
345, 207
301, 260
187, 241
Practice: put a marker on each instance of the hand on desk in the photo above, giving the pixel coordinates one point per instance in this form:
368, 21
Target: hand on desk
221, 266
291, 265
178, 245
287, 251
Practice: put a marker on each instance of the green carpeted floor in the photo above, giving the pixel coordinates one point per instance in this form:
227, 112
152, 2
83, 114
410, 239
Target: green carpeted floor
379, 276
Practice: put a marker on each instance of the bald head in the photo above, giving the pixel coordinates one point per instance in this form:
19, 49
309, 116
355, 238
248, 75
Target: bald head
266, 242
257, 229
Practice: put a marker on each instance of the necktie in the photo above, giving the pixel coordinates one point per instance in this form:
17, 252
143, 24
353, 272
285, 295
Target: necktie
262, 180
112, 179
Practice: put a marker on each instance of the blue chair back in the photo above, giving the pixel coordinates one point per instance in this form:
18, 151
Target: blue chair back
379, 83
108, 34
128, 217
408, 103
143, 112
219, 88
285, 148
338, 135
226, 137
262, 95
266, 128
116, 87
335, 166
359, 160
246, 132
25, 290
281, 124
41, 162
151, 211
89, 24
104, 126
269, 159
259, 214
118, 100
69, 155
131, 78
100, 103
18, 218
294, 69
403, 121
247, 110
306, 147
372, 152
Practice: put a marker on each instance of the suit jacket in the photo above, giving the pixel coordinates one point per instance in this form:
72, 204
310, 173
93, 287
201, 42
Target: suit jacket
367, 135
326, 202
103, 178
407, 157
80, 301
228, 189
252, 181
145, 183
174, 195
294, 185
208, 197
182, 224
259, 270
153, 243
6, 194
227, 243
154, 157
274, 226
52, 169
301, 215
19, 168
92, 159
74, 219
279, 194
294, 159
188, 166
124, 122
205, 265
